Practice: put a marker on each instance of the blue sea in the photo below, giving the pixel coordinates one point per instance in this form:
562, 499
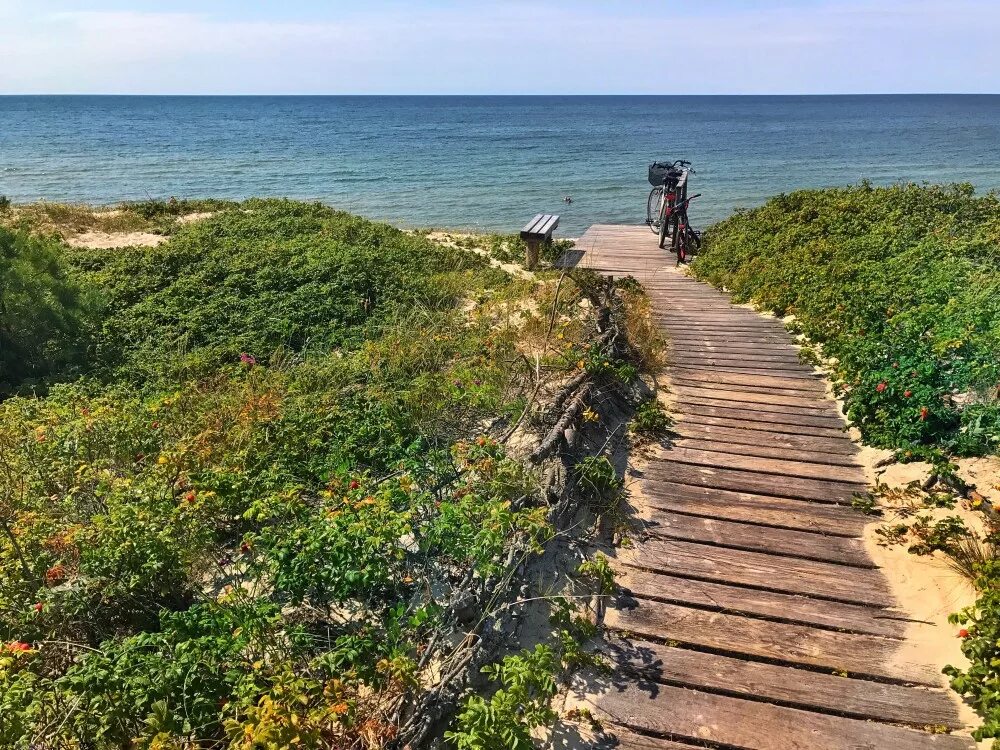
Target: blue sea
487, 163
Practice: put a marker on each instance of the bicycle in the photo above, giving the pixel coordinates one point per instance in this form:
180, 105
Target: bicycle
669, 183
686, 241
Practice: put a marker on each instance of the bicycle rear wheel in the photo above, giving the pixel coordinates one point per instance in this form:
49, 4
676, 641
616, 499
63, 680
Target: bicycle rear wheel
688, 244
653, 207
664, 231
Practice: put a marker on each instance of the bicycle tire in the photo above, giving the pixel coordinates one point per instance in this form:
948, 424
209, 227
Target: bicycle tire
664, 225
653, 208
688, 246
695, 241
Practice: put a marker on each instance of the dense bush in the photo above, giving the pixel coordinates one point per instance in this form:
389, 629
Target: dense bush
42, 312
244, 528
258, 278
900, 285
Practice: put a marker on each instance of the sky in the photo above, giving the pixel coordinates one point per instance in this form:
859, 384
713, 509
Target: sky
518, 47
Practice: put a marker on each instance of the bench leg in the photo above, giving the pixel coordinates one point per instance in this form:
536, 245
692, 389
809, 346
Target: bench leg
531, 254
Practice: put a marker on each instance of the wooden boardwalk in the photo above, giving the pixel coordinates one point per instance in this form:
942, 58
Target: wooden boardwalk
752, 616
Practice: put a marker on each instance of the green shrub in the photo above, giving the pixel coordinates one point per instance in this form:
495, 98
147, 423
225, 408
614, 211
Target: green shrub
42, 312
504, 720
651, 421
203, 549
900, 285
265, 277
980, 683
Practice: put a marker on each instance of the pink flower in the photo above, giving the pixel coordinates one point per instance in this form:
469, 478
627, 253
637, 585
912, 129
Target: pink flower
907, 394
248, 359
881, 386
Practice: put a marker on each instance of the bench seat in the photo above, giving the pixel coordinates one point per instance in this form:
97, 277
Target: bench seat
536, 232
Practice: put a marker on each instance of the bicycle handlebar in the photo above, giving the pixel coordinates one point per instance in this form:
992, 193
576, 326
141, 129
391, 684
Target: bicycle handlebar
686, 201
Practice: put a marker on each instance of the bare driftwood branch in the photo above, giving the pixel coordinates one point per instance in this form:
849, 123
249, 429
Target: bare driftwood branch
556, 435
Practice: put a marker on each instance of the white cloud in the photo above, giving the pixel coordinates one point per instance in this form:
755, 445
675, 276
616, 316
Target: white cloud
510, 47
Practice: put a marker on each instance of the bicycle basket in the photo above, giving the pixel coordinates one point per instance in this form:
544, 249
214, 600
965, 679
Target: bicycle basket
660, 172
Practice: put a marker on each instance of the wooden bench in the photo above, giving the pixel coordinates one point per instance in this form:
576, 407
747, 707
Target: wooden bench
535, 233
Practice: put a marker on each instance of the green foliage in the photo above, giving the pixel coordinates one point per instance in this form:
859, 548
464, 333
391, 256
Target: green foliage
4, 203
980, 683
266, 277
202, 549
598, 571
504, 720
598, 483
42, 312
900, 285
651, 421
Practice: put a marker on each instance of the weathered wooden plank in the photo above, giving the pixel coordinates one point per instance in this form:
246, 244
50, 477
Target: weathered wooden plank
696, 406
767, 451
810, 382
751, 725
744, 396
751, 350
801, 374
754, 508
701, 379
802, 610
789, 575
854, 653
826, 446
741, 366
754, 425
763, 465
758, 342
614, 737
739, 480
531, 224
820, 410
805, 544
798, 688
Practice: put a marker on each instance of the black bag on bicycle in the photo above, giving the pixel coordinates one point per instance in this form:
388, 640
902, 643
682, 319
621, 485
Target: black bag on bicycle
660, 172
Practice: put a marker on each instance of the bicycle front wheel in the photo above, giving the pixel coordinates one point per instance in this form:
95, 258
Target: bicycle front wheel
653, 207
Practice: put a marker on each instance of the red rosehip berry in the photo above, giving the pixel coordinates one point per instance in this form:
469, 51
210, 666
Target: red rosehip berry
924, 411
39, 606
245, 547
354, 484
881, 386
907, 394
963, 633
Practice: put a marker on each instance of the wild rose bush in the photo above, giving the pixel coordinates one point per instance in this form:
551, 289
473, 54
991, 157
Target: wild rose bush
243, 527
900, 285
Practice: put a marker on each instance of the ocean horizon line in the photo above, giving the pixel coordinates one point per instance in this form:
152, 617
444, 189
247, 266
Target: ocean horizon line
845, 95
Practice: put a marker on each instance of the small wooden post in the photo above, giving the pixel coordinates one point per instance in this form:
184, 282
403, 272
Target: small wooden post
531, 254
